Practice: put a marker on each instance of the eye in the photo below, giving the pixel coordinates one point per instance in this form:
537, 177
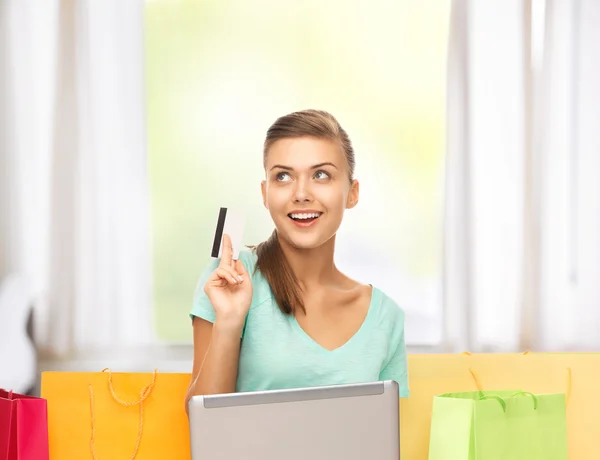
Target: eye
282, 177
322, 175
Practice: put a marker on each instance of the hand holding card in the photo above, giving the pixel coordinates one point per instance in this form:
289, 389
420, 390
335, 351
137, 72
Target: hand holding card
229, 288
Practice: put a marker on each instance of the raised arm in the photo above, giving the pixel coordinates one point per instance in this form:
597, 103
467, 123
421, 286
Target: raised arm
217, 345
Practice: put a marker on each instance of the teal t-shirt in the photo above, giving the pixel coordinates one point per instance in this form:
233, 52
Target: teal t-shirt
276, 353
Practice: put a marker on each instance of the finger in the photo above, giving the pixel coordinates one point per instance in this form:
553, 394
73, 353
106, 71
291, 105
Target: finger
240, 268
227, 252
227, 274
234, 273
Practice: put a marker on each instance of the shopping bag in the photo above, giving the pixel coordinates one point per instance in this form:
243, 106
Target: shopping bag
431, 375
577, 375
498, 425
23, 427
106, 415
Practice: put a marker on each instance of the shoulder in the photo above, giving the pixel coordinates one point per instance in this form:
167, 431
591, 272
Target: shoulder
395, 364
388, 313
388, 317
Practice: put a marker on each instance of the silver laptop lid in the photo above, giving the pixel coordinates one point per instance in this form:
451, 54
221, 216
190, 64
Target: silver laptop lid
350, 422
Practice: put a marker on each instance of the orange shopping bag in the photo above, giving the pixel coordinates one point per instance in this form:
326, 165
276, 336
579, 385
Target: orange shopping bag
575, 374
104, 415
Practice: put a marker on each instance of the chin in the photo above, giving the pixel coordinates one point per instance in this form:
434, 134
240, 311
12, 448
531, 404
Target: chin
304, 245
305, 238
306, 241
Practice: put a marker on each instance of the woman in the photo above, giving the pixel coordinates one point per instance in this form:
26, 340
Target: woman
283, 315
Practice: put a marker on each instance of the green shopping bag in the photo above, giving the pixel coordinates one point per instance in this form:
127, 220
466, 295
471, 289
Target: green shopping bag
498, 425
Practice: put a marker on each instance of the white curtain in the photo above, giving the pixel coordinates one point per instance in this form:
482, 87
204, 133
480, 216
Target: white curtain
74, 208
522, 240
569, 153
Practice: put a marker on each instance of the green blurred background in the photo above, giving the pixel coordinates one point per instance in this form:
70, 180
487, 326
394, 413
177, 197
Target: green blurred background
220, 72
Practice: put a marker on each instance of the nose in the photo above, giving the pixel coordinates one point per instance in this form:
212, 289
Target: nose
302, 193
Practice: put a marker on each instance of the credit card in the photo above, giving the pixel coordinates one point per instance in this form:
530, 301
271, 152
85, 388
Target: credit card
230, 222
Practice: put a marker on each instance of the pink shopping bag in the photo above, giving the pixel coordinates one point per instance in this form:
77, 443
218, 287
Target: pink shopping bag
23, 427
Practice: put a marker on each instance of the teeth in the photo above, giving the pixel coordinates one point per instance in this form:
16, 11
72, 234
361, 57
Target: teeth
305, 215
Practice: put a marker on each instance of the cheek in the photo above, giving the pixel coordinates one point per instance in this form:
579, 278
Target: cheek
334, 200
276, 198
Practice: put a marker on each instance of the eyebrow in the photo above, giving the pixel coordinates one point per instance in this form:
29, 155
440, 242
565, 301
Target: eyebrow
320, 165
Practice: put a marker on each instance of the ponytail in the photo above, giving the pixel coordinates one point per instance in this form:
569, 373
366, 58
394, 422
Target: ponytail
274, 266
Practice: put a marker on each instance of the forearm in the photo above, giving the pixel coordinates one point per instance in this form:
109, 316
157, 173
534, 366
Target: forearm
218, 373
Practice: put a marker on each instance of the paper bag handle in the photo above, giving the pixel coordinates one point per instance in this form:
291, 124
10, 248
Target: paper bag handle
497, 398
568, 386
567, 389
526, 393
144, 393
503, 403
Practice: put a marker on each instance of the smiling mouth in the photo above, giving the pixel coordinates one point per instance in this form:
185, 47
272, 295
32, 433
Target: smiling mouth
304, 219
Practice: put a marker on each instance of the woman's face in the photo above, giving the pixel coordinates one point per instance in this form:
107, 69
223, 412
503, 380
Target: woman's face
307, 189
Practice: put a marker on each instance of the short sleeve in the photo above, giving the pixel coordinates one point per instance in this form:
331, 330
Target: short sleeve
201, 306
396, 367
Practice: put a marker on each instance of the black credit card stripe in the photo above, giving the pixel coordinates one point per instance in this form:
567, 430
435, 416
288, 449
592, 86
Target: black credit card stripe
219, 232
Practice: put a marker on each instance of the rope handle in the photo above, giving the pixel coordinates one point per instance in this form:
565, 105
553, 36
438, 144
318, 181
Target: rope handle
568, 385
497, 398
503, 403
476, 380
144, 393
526, 393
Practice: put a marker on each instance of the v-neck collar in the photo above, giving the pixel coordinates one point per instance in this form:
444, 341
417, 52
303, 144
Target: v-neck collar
360, 331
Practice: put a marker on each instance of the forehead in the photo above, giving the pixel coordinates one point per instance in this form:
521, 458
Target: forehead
304, 152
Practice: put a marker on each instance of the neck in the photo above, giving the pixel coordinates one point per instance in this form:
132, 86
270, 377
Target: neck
311, 266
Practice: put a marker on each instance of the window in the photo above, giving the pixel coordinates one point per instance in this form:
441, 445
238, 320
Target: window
219, 72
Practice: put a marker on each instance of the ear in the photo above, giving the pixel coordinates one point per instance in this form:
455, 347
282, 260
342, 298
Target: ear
353, 195
263, 190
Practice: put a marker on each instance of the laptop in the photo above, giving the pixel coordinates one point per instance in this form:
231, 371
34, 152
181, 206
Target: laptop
337, 422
